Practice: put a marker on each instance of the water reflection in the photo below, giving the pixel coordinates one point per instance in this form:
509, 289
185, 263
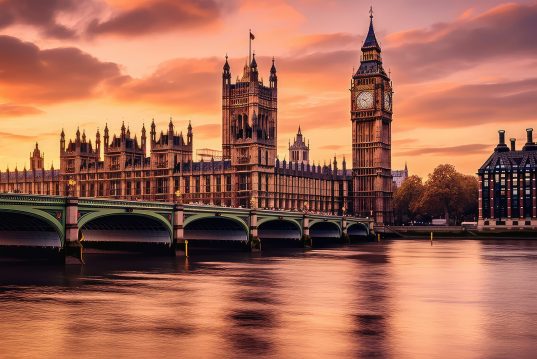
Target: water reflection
401, 299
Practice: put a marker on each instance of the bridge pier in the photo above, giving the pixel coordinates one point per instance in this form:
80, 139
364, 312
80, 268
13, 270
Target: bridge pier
306, 239
72, 248
178, 236
344, 234
255, 242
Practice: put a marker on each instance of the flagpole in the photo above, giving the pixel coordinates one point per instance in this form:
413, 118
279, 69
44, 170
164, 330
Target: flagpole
250, 47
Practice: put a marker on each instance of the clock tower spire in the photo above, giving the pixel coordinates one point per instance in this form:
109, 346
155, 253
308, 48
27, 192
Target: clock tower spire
371, 116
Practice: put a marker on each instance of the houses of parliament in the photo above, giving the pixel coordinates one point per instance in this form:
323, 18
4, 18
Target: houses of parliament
159, 165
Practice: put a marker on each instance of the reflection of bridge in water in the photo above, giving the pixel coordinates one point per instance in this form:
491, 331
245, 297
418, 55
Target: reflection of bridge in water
65, 222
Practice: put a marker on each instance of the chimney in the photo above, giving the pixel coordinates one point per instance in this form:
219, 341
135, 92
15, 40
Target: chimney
501, 134
513, 141
501, 147
529, 132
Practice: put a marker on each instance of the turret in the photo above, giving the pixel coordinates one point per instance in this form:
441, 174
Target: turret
153, 133
77, 135
273, 77
254, 75
123, 131
189, 134
144, 138
170, 128
98, 144
62, 141
226, 74
106, 137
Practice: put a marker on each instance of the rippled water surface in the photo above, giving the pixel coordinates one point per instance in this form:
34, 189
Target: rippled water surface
399, 299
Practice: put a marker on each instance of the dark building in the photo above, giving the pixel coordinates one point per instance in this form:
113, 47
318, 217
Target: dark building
507, 195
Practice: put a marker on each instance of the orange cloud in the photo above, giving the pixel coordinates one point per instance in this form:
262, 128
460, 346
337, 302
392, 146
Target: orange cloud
425, 54
41, 14
461, 150
11, 110
470, 105
187, 85
158, 16
33, 75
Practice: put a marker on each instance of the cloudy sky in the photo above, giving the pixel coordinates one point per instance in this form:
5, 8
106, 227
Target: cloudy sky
461, 71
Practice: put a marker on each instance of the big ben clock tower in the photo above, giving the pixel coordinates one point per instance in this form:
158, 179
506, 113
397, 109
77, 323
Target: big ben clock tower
371, 116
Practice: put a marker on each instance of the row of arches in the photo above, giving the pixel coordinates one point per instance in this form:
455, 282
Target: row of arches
18, 228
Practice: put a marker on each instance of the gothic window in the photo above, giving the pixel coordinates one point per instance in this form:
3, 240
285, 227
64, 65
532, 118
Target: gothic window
228, 183
197, 184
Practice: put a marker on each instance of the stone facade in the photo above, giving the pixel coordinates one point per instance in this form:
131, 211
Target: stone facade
371, 116
249, 174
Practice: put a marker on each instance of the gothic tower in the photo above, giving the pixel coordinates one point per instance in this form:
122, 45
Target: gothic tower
249, 122
371, 116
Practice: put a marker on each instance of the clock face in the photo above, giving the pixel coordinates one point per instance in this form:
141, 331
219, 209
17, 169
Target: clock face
388, 101
364, 99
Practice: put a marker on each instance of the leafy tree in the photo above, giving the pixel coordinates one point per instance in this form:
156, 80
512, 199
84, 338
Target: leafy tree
449, 194
406, 197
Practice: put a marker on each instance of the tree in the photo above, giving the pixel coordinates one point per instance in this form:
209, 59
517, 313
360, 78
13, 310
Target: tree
406, 197
449, 194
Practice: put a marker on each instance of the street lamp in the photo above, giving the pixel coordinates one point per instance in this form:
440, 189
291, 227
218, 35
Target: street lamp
252, 202
178, 196
306, 206
71, 183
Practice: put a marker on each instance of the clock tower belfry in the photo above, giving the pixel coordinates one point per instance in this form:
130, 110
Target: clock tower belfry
371, 116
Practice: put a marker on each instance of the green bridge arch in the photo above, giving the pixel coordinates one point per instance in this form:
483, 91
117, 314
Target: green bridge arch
283, 219
44, 216
315, 221
230, 217
108, 212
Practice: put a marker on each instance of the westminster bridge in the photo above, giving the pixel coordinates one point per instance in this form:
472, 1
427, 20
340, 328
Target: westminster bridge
66, 223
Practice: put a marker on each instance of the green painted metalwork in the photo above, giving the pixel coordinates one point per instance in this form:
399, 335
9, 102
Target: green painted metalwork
294, 221
40, 214
234, 218
105, 212
337, 222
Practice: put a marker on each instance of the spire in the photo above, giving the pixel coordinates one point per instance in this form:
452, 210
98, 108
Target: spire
226, 66
299, 131
273, 67
253, 65
371, 39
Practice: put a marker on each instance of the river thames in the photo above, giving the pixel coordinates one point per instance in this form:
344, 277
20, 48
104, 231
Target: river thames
394, 299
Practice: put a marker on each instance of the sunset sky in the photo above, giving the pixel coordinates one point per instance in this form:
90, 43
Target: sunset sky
461, 71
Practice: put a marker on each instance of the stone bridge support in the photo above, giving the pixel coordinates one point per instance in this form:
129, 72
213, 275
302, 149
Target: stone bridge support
71, 244
306, 231
178, 227
255, 242
344, 233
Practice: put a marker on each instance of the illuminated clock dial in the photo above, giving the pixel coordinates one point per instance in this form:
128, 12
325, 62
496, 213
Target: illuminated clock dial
388, 101
364, 100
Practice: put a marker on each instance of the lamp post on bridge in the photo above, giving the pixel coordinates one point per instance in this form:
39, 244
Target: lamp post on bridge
178, 197
71, 187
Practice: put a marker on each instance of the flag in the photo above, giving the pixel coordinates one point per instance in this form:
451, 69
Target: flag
252, 37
